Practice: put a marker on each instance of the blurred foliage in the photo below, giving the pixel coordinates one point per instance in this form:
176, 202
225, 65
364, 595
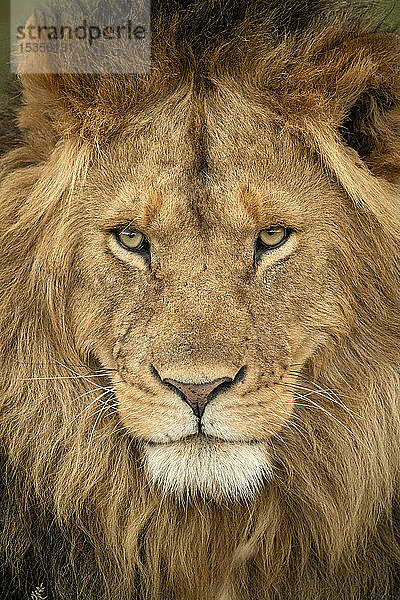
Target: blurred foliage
393, 17
4, 37
4, 32
9, 91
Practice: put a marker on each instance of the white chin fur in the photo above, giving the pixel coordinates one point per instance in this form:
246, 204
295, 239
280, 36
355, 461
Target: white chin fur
209, 468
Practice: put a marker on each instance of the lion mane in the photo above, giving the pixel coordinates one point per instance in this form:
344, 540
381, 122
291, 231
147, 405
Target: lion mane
78, 515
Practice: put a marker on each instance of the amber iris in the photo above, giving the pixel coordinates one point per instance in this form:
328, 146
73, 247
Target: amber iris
273, 236
130, 239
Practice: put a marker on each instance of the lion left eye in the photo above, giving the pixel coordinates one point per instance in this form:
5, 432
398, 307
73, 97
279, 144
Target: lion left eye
131, 240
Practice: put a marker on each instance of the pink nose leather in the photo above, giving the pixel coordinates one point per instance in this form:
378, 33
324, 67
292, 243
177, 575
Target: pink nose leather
197, 394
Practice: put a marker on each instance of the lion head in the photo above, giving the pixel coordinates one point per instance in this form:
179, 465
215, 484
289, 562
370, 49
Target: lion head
200, 315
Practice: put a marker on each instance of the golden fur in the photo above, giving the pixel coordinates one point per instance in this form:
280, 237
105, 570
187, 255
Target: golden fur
244, 122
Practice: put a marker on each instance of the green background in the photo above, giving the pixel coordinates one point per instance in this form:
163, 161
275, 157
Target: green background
4, 34
4, 39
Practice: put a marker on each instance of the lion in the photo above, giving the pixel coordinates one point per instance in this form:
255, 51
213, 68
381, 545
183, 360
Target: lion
200, 300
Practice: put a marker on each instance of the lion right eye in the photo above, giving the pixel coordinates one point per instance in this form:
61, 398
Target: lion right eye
270, 239
132, 240
273, 237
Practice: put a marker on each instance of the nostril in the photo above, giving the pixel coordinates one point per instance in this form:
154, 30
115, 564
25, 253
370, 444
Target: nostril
197, 395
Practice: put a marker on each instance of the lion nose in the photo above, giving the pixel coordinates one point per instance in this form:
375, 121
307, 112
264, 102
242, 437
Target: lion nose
198, 395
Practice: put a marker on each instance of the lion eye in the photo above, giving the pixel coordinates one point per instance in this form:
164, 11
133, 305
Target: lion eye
273, 237
132, 240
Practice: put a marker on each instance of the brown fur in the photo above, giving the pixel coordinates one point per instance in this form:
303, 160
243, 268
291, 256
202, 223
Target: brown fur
221, 140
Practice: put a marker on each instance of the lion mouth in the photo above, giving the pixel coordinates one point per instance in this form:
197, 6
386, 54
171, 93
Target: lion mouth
202, 439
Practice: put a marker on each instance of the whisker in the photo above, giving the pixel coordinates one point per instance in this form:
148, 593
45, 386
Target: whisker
323, 388
98, 398
60, 377
85, 377
329, 414
102, 410
329, 394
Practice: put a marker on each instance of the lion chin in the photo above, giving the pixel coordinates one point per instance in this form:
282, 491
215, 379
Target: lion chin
209, 468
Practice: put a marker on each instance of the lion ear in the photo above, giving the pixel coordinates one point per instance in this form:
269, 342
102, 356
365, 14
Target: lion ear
42, 108
368, 95
66, 92
361, 140
54, 105
90, 105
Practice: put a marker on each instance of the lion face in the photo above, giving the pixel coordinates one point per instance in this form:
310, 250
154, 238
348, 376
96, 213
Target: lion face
201, 325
